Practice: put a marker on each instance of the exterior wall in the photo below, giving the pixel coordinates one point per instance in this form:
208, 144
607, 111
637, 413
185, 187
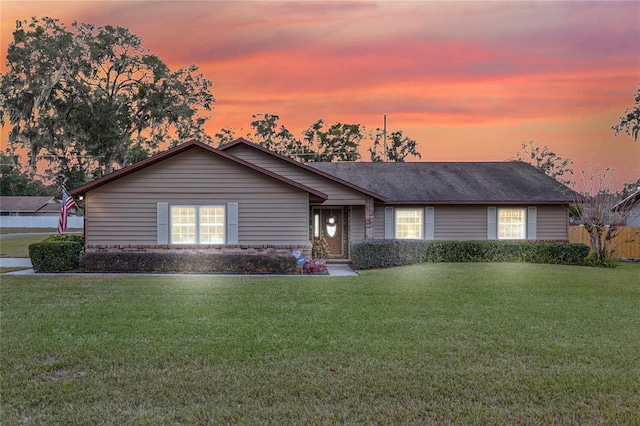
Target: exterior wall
469, 222
460, 223
634, 216
553, 223
338, 194
357, 223
378, 221
123, 212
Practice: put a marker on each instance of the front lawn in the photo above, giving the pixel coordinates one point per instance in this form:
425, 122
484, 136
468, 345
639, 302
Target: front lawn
430, 343
18, 246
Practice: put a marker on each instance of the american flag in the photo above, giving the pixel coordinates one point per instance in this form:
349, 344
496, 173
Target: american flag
67, 204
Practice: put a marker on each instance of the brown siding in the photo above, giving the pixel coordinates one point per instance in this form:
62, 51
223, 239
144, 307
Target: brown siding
378, 221
460, 222
338, 193
357, 222
124, 211
553, 223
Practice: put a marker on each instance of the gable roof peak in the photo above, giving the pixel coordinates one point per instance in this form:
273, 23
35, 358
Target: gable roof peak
193, 143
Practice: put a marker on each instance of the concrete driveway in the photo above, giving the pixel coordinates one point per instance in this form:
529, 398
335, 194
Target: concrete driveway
15, 262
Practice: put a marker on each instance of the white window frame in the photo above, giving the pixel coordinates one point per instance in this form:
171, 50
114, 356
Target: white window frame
398, 223
507, 225
197, 225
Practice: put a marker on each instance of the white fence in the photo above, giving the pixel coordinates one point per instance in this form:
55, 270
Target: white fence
39, 222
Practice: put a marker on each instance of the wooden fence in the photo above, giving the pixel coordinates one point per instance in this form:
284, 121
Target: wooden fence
626, 244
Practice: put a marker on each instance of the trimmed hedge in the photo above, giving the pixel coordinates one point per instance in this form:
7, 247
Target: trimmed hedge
187, 263
64, 237
385, 253
55, 256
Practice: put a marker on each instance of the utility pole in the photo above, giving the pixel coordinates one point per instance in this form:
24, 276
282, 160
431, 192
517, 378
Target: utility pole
384, 138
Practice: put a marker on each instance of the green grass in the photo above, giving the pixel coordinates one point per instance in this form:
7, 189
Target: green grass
4, 270
433, 343
25, 230
18, 246
36, 230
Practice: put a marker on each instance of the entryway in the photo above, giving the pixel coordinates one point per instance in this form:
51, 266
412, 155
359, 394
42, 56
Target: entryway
328, 223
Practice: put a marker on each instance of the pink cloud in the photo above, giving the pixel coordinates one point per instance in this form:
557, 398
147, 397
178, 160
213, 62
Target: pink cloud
477, 76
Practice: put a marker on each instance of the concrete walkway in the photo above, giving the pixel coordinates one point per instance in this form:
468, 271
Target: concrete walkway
340, 270
15, 262
335, 269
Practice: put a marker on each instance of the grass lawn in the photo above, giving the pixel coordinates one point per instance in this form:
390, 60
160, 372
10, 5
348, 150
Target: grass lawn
7, 230
18, 246
434, 343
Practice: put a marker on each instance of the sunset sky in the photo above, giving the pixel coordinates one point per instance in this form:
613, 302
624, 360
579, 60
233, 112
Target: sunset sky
470, 81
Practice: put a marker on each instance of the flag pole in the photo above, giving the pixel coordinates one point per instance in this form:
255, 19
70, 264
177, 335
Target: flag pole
66, 203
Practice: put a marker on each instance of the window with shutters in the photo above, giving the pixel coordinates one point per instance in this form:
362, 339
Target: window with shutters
409, 223
512, 224
197, 224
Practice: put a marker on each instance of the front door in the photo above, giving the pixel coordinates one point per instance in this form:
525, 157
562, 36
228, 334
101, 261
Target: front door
328, 224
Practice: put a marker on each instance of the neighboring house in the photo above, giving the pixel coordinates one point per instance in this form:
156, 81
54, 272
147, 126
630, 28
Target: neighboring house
32, 212
631, 205
28, 206
242, 197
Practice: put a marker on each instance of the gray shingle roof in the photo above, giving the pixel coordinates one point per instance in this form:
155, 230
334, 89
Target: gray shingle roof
452, 182
28, 204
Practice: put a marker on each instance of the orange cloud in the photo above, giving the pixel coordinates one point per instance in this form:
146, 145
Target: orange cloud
469, 80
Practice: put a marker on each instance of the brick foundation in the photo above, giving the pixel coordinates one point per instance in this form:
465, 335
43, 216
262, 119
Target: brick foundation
271, 250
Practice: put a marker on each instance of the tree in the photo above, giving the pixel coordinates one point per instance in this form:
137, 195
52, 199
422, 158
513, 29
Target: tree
224, 136
396, 149
602, 214
546, 160
630, 121
95, 96
340, 142
629, 188
13, 181
280, 140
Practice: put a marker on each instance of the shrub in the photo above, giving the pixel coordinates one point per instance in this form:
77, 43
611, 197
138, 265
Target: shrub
187, 263
369, 254
507, 251
315, 266
65, 237
320, 248
55, 256
603, 262
386, 253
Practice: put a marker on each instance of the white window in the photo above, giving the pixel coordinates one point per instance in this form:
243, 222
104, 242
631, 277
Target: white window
183, 225
211, 225
197, 224
316, 225
512, 224
409, 223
